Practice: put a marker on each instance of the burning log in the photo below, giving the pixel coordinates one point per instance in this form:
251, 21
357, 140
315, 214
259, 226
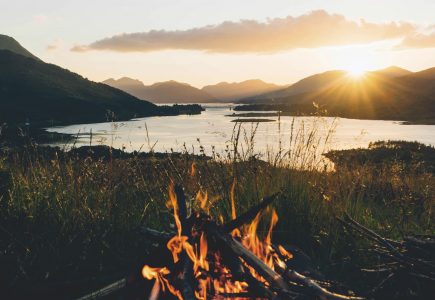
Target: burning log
186, 276
249, 216
211, 260
274, 279
253, 276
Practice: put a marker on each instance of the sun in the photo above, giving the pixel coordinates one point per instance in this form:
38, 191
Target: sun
357, 70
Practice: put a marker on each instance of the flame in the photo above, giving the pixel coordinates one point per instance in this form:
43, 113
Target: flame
202, 198
172, 202
261, 249
236, 231
153, 273
158, 274
233, 206
273, 222
218, 279
284, 252
193, 169
176, 244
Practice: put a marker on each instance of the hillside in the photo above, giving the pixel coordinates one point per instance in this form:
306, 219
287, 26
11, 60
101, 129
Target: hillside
373, 96
161, 92
34, 91
309, 84
9, 43
237, 90
393, 71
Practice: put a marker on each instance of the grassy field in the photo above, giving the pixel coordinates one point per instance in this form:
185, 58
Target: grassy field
74, 216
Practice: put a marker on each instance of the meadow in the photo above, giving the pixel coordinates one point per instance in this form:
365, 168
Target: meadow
71, 217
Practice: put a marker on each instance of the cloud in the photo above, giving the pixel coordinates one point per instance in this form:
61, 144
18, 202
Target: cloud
54, 45
312, 30
417, 40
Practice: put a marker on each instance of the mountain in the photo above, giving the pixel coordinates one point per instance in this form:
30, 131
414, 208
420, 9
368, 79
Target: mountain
37, 92
376, 95
393, 71
237, 90
309, 84
425, 74
9, 43
161, 92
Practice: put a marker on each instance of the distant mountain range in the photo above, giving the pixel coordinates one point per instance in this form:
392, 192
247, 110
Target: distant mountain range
392, 93
34, 91
237, 90
176, 92
161, 92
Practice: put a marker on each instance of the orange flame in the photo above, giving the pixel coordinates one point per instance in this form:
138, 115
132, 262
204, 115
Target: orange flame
158, 274
233, 206
284, 252
175, 245
219, 279
153, 273
202, 198
236, 231
193, 169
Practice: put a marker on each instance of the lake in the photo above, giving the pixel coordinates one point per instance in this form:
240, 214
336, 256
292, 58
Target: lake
213, 130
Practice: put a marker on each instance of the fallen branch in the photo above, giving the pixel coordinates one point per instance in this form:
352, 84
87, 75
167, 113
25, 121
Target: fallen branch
249, 215
275, 280
105, 291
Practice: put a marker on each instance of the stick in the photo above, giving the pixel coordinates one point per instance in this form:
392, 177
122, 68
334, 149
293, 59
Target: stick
314, 287
186, 276
105, 291
158, 236
249, 215
274, 279
155, 292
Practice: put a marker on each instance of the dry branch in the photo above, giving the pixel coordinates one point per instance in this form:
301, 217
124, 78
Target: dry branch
249, 215
274, 279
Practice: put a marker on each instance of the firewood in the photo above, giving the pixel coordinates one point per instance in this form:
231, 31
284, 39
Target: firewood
307, 283
250, 214
157, 236
105, 291
155, 292
275, 280
186, 277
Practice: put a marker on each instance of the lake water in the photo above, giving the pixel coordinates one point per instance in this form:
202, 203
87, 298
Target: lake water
214, 130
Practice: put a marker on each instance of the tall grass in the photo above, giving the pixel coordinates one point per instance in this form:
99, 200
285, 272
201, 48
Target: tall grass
67, 216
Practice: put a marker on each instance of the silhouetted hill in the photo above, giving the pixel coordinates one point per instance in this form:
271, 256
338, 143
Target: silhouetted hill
373, 96
312, 83
34, 91
9, 43
393, 71
161, 92
237, 90
425, 74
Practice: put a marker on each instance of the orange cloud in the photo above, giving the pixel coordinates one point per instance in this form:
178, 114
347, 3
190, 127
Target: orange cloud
417, 40
54, 45
312, 30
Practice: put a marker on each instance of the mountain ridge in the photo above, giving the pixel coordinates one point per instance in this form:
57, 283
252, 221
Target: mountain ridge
161, 92
375, 95
32, 91
236, 90
10, 44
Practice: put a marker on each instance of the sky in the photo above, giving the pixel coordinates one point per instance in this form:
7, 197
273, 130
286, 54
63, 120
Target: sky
205, 42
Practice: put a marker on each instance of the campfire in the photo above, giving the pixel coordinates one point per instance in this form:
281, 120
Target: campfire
217, 260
